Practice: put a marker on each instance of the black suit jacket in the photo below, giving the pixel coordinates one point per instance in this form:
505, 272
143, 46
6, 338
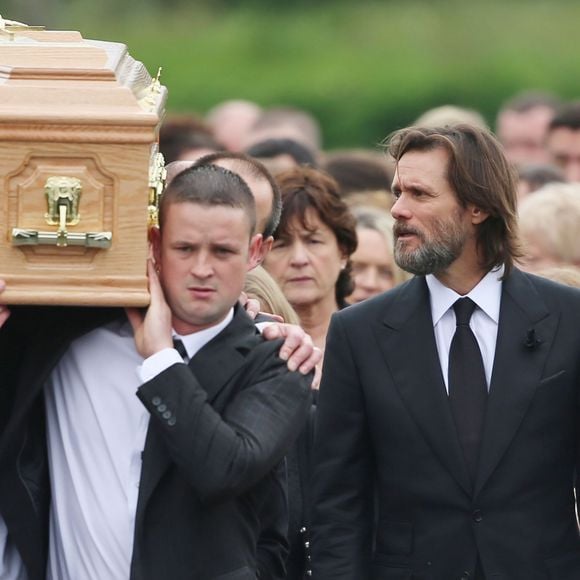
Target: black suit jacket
208, 469
392, 494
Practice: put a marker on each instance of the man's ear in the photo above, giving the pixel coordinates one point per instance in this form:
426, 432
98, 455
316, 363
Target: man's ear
255, 256
477, 215
155, 244
265, 248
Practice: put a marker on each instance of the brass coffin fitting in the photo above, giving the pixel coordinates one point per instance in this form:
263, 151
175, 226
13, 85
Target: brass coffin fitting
63, 199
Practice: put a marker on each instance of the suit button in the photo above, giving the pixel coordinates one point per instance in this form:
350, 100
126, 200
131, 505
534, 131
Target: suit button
161, 408
172, 421
466, 576
477, 516
156, 401
166, 415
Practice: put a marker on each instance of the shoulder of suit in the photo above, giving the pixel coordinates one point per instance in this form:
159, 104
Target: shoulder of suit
372, 307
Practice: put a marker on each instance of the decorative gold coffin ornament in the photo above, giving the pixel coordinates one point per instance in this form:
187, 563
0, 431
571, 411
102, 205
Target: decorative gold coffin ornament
80, 168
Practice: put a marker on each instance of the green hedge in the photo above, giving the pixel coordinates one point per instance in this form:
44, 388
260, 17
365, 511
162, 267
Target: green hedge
363, 68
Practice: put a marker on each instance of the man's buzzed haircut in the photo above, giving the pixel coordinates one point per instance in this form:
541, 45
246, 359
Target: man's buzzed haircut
242, 162
209, 185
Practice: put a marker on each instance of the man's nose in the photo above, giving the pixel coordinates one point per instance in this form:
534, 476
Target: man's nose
400, 209
202, 267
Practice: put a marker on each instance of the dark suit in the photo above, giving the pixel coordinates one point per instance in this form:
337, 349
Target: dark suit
208, 469
384, 419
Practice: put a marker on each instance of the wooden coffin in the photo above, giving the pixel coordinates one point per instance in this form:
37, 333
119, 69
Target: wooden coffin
80, 171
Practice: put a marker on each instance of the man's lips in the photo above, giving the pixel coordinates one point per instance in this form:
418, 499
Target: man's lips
299, 279
201, 291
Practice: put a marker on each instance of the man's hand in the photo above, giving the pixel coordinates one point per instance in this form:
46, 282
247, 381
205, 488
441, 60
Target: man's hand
152, 329
4, 310
252, 308
297, 349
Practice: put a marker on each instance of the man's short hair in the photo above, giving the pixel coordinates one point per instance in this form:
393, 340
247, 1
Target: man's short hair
479, 174
245, 163
269, 148
567, 117
209, 185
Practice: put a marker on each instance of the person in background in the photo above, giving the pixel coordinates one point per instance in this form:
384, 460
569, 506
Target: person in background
374, 269
549, 222
186, 137
286, 123
263, 288
363, 176
231, 122
568, 275
450, 115
534, 176
310, 261
310, 256
563, 140
281, 154
522, 125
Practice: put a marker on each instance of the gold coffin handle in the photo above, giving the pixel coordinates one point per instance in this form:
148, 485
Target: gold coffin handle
61, 238
63, 198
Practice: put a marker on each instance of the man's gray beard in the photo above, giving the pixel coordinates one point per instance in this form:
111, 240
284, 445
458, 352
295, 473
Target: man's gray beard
428, 259
433, 255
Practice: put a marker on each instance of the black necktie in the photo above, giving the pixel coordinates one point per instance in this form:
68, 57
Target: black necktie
467, 384
180, 348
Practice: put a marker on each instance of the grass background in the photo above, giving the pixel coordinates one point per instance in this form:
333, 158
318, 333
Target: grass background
363, 68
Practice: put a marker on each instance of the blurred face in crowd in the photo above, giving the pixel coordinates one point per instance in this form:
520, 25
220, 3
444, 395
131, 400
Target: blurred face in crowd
564, 147
372, 266
523, 134
203, 254
431, 227
306, 262
536, 255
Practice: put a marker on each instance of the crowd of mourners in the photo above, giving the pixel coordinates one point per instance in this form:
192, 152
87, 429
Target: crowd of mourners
333, 246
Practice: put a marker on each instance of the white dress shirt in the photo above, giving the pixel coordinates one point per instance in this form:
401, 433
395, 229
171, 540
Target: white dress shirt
484, 320
96, 433
11, 566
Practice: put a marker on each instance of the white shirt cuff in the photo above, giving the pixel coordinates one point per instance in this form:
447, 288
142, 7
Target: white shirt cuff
157, 363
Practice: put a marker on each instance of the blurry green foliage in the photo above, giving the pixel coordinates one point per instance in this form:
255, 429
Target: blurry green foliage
363, 68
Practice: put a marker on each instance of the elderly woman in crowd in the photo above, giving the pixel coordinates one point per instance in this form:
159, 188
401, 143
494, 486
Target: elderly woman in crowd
373, 264
549, 222
310, 257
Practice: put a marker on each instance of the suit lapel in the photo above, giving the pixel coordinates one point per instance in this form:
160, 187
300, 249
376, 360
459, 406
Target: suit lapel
213, 366
517, 369
407, 340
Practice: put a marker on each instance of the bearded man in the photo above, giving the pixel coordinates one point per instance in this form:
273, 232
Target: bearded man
448, 427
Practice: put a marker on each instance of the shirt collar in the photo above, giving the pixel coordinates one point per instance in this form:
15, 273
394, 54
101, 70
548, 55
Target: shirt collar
197, 340
486, 294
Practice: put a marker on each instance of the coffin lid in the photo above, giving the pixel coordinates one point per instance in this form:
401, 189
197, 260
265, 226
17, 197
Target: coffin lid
60, 77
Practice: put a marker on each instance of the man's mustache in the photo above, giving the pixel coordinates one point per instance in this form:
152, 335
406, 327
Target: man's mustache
401, 230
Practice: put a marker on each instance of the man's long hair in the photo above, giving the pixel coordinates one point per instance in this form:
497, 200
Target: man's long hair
479, 174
